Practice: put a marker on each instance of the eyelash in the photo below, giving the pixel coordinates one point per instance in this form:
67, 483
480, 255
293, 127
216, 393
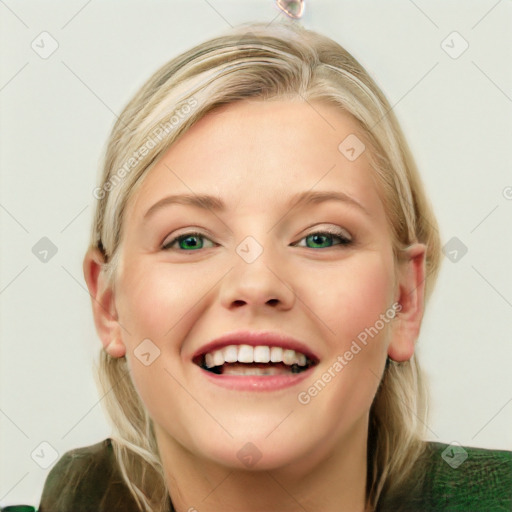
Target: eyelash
338, 233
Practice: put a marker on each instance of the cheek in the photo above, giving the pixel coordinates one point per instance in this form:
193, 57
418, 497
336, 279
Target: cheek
159, 303
155, 299
155, 303
359, 344
371, 297
354, 297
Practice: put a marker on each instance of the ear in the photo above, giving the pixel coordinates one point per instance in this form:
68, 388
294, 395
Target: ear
103, 303
411, 289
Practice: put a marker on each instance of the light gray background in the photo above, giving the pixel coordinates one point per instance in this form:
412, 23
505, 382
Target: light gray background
56, 116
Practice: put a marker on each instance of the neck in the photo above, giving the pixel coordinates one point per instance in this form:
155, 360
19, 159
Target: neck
335, 484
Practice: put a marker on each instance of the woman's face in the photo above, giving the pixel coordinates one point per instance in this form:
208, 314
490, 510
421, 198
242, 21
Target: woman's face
259, 263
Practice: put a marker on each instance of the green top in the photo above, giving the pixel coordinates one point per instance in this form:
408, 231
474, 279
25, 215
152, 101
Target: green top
446, 478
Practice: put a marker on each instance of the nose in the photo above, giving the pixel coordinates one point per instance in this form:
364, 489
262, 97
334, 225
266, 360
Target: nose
259, 278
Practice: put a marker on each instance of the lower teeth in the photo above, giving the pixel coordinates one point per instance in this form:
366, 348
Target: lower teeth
247, 370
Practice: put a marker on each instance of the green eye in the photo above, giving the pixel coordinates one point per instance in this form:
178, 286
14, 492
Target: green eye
327, 237
187, 242
191, 242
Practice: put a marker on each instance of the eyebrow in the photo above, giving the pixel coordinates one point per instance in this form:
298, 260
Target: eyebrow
209, 202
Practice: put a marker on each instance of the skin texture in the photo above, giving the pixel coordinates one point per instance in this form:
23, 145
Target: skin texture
255, 155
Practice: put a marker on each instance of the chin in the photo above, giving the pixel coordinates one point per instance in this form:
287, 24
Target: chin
255, 452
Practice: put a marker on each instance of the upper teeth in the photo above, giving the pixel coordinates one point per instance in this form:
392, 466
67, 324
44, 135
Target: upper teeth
249, 354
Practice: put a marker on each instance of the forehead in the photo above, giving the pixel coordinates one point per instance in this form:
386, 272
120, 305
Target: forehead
250, 152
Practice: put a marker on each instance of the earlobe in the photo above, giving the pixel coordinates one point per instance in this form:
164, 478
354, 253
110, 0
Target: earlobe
411, 289
103, 304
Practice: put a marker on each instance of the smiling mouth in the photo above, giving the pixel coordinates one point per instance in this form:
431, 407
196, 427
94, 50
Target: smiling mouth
247, 360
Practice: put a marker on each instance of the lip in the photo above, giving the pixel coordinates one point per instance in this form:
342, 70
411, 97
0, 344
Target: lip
254, 339
256, 382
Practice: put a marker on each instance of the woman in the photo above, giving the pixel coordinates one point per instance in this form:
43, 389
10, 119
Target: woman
261, 256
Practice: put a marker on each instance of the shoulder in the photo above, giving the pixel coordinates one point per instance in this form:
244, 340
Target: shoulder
468, 478
454, 478
86, 479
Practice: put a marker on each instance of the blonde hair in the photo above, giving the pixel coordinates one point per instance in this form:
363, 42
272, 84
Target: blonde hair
254, 61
